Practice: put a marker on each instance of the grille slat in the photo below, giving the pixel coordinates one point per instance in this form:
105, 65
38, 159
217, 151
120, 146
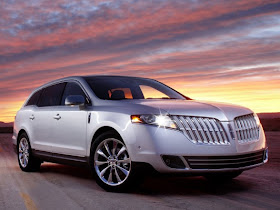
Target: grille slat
213, 132
194, 129
222, 133
217, 131
208, 131
187, 129
202, 130
246, 128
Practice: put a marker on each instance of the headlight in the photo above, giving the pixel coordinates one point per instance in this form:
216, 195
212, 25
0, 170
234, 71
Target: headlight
257, 119
158, 120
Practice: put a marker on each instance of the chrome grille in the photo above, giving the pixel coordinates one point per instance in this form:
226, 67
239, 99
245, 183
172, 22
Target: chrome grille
246, 128
202, 130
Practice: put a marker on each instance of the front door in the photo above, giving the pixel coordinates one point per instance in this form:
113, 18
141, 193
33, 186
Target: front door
69, 125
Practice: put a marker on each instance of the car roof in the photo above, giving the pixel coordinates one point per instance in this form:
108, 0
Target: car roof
80, 78
110, 76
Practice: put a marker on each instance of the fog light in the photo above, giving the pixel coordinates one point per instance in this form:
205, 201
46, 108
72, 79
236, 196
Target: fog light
173, 161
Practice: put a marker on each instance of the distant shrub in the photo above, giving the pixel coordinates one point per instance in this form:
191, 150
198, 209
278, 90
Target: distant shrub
6, 129
271, 124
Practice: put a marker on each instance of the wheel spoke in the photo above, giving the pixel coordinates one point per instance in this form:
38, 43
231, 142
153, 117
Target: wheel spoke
102, 154
107, 149
110, 180
104, 170
115, 144
99, 163
25, 144
121, 151
26, 158
24, 161
123, 170
22, 146
117, 175
127, 160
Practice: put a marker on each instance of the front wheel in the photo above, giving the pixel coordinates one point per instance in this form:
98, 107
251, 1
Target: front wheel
25, 159
111, 163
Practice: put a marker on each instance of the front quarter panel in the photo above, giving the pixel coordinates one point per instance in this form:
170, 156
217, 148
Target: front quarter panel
118, 121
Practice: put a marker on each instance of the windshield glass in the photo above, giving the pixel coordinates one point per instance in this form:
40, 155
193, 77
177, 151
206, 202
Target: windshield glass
118, 88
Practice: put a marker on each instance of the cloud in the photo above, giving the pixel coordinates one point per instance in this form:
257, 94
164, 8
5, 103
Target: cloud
177, 42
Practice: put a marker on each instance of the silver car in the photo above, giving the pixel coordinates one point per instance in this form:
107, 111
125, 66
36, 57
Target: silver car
123, 126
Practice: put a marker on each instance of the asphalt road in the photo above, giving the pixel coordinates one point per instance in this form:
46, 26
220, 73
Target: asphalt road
64, 187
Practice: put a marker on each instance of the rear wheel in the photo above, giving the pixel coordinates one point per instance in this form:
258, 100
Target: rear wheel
223, 176
111, 163
25, 159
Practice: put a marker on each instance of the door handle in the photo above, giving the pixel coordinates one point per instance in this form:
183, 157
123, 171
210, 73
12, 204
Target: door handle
57, 117
32, 117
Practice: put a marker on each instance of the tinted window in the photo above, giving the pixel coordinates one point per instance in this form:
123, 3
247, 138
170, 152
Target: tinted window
72, 88
34, 98
130, 88
51, 95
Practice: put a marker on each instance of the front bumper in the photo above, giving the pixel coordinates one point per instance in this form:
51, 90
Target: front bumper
156, 145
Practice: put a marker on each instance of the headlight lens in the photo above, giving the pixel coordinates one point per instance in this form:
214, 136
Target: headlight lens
257, 119
158, 120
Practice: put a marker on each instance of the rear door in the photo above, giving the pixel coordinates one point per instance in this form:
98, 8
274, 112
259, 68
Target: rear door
70, 124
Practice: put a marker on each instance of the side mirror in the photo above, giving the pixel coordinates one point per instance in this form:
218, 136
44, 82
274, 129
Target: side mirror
74, 100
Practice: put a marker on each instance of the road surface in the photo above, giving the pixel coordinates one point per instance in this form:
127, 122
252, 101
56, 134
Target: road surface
65, 187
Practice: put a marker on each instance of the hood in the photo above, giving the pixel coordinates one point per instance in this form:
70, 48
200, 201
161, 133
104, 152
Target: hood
221, 111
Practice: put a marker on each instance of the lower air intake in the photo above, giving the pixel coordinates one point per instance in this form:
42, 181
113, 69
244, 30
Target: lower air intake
224, 162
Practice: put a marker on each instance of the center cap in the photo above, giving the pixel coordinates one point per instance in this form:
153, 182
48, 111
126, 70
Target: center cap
112, 161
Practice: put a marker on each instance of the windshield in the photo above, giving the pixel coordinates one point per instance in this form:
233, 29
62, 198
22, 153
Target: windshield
118, 88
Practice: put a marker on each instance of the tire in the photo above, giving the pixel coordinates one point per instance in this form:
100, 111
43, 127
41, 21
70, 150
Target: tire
26, 161
111, 165
227, 176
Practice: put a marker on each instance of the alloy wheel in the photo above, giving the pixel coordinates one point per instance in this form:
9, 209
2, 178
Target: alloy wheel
112, 162
23, 152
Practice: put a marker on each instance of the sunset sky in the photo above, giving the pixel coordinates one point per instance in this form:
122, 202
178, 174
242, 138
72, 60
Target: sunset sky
226, 51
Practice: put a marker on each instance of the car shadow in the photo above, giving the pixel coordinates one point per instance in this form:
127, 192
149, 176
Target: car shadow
195, 186
161, 184
73, 171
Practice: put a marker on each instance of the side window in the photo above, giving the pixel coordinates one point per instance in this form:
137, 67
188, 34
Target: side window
72, 88
34, 98
51, 95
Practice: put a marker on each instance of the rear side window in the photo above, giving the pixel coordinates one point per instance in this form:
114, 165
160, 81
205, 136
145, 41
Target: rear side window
51, 95
34, 98
72, 88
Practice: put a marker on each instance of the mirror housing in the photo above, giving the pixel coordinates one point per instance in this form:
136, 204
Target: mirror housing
75, 100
